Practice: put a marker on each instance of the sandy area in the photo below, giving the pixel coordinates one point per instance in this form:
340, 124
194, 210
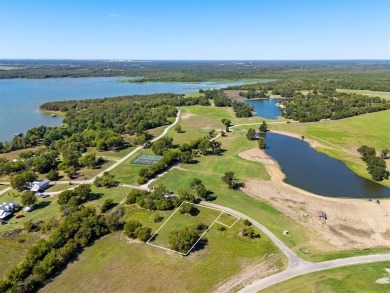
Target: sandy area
350, 224
312, 143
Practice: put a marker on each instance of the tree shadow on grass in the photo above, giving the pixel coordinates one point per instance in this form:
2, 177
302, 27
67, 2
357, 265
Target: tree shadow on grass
95, 196
200, 245
41, 205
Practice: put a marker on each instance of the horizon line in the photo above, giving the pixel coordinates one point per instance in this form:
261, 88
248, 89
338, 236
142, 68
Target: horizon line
146, 60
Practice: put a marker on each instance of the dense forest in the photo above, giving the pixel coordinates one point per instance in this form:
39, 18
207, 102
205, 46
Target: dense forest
363, 74
316, 106
100, 123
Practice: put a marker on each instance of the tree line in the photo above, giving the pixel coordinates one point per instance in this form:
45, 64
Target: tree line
316, 106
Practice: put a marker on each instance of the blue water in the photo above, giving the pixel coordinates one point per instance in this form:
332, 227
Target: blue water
318, 173
265, 108
20, 98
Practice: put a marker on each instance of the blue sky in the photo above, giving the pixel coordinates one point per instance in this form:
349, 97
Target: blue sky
195, 29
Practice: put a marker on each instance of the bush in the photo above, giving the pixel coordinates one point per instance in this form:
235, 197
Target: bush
130, 228
157, 218
247, 222
144, 233
107, 205
53, 175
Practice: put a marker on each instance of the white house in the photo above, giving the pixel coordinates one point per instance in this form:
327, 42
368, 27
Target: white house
39, 185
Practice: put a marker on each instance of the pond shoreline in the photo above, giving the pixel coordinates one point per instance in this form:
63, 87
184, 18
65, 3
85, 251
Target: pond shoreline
343, 182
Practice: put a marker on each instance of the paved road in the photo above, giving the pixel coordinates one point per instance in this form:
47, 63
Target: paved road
90, 181
5, 190
297, 266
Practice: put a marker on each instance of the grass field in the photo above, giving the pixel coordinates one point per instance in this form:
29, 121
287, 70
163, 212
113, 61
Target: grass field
111, 155
360, 278
205, 216
15, 154
343, 137
210, 169
113, 264
128, 172
383, 95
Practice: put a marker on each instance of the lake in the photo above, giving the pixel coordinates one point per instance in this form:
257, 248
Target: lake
20, 98
266, 108
318, 173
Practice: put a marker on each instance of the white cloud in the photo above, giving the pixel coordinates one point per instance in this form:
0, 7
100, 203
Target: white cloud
117, 15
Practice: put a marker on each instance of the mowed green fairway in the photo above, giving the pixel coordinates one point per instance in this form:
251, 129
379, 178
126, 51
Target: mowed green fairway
359, 278
343, 137
113, 264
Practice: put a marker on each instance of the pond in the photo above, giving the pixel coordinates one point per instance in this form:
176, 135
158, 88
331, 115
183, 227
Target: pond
318, 173
265, 108
20, 98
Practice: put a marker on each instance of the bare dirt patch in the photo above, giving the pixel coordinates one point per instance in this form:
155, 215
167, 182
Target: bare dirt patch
234, 94
356, 231
186, 116
351, 223
248, 275
383, 281
260, 156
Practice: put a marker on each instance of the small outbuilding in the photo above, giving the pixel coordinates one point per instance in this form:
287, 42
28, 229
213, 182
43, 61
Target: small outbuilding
322, 216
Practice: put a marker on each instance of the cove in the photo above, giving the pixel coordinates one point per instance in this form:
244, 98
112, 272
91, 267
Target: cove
265, 108
318, 173
20, 98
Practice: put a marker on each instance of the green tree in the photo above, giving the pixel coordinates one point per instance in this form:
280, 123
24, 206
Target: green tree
160, 146
261, 143
131, 227
251, 134
28, 198
89, 161
263, 127
178, 128
183, 239
227, 123
384, 153
53, 175
108, 180
204, 146
107, 205
144, 233
19, 181
230, 179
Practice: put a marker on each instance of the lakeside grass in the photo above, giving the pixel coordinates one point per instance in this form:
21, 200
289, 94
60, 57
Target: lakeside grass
341, 138
210, 169
358, 278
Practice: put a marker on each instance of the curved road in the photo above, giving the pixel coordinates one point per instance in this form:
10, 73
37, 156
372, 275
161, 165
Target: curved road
296, 266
